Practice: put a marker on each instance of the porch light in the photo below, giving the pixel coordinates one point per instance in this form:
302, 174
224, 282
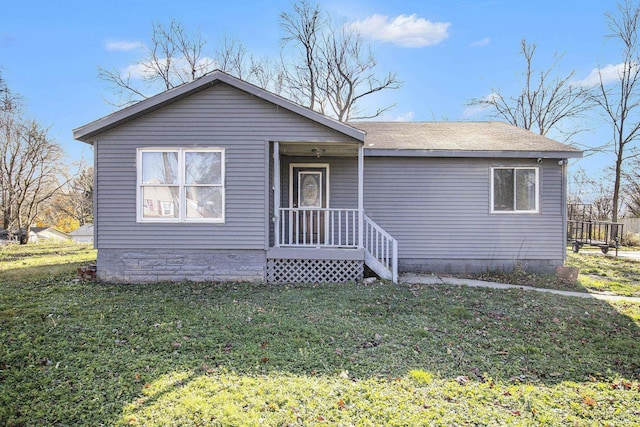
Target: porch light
317, 151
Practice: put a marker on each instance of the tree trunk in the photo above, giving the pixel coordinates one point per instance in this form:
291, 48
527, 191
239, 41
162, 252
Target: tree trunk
616, 187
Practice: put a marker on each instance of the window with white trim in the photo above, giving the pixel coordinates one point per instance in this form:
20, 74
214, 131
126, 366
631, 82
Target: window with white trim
181, 185
514, 189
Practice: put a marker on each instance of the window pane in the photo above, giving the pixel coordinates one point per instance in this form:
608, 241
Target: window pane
503, 189
525, 189
159, 168
160, 202
204, 202
203, 167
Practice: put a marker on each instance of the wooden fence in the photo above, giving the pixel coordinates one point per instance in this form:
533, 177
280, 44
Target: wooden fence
631, 225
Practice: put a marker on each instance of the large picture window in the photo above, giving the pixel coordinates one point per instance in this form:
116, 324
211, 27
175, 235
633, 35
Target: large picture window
181, 185
514, 189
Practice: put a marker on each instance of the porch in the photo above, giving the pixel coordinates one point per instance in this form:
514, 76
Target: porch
319, 231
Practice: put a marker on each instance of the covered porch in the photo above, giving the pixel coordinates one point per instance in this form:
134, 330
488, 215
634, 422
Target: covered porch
319, 231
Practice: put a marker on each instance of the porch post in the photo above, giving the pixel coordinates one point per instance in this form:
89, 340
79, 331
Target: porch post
276, 193
360, 195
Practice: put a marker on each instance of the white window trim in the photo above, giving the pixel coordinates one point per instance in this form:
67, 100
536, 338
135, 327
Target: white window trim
182, 215
515, 211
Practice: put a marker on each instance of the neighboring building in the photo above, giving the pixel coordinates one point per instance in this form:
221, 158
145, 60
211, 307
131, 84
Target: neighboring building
7, 237
218, 179
83, 234
43, 234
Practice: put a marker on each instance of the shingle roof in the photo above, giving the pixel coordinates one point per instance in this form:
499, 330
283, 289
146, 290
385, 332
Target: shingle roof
86, 229
454, 137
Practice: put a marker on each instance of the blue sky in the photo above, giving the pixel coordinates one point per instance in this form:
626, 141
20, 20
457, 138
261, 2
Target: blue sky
445, 51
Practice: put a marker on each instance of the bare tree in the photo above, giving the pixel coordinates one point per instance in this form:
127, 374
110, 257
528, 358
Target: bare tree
302, 29
334, 69
620, 101
331, 70
545, 101
633, 191
30, 167
3, 87
602, 202
174, 57
234, 58
10, 110
75, 200
584, 189
350, 76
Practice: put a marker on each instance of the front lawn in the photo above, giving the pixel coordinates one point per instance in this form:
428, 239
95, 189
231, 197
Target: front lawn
239, 354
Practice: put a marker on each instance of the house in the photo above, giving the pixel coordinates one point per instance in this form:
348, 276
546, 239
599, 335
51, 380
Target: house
82, 234
43, 234
218, 179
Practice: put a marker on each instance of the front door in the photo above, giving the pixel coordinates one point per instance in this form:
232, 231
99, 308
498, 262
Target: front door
309, 196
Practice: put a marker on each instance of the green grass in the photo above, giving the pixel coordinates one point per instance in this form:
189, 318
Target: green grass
598, 273
41, 260
82, 353
606, 273
194, 354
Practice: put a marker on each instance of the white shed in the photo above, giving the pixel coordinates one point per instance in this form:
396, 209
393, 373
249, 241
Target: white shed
83, 234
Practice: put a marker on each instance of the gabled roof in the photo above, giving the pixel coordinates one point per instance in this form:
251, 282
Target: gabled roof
50, 229
85, 230
468, 139
87, 132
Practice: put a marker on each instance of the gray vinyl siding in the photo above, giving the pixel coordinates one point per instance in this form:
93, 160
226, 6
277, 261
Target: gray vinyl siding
220, 116
440, 209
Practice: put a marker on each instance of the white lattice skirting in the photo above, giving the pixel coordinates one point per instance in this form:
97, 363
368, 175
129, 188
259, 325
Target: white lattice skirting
314, 270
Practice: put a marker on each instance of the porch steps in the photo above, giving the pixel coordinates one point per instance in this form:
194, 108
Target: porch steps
329, 245
380, 251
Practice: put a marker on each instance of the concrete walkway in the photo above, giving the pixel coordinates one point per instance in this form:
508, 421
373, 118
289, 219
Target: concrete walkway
430, 279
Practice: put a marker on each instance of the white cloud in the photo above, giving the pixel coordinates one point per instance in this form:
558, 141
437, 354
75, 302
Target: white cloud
137, 71
402, 117
405, 117
403, 30
478, 43
609, 74
123, 46
476, 110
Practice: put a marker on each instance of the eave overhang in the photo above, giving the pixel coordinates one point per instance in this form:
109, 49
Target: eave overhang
377, 152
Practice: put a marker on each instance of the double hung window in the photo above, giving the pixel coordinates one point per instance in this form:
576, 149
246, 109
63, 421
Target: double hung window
181, 185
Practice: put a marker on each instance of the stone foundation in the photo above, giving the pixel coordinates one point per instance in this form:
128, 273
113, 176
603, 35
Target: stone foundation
475, 266
144, 266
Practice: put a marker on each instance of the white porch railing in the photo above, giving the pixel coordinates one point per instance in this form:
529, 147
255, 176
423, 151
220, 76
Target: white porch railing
381, 250
338, 228
318, 227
